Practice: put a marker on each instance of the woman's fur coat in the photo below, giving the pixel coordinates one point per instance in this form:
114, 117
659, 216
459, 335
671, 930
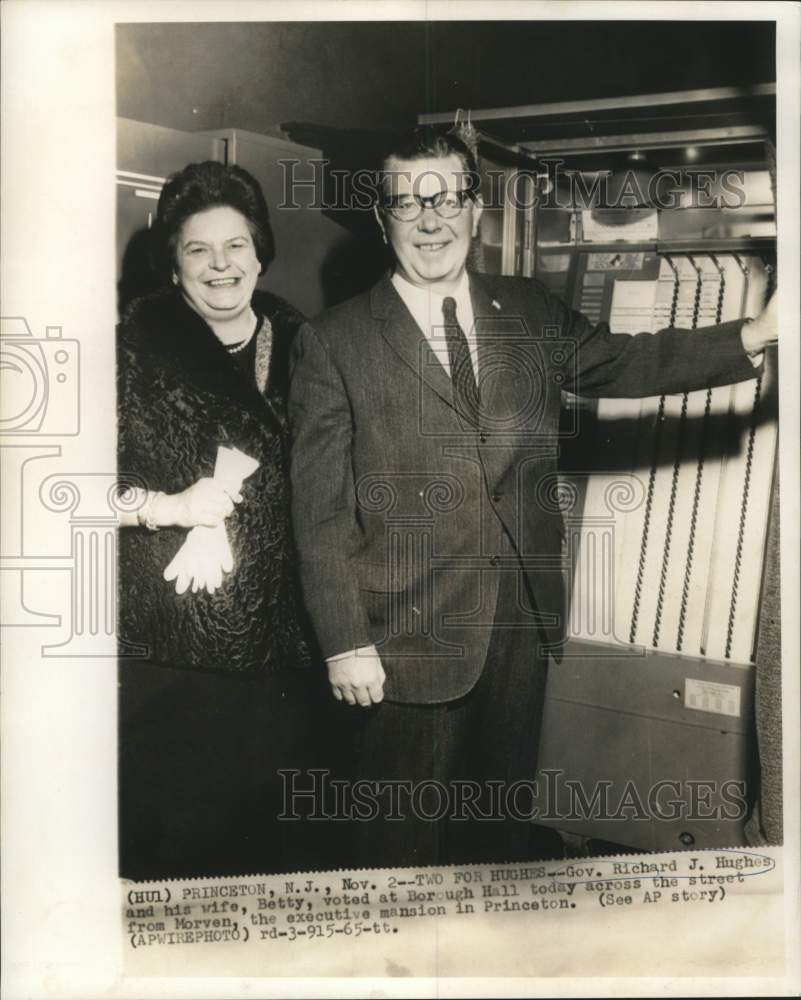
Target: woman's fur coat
180, 396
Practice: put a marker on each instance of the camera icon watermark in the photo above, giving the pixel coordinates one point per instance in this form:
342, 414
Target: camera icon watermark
40, 381
519, 379
40, 399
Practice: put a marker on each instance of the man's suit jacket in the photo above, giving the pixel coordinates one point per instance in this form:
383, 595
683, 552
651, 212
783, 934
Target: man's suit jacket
405, 511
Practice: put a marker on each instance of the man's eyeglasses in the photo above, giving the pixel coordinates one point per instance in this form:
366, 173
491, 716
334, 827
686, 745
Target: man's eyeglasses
407, 207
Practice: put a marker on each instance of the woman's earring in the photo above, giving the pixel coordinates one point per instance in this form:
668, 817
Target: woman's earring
174, 278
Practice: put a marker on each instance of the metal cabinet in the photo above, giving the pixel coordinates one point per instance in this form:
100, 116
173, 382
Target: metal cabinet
146, 155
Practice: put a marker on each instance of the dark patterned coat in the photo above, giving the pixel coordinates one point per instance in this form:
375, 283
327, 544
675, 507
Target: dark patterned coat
180, 396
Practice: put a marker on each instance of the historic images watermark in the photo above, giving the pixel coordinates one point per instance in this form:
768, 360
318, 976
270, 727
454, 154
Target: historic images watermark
317, 184
316, 795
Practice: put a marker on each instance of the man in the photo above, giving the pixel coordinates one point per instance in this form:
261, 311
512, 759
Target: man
425, 418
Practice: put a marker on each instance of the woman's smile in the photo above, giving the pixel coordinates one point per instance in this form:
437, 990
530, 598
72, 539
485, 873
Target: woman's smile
222, 282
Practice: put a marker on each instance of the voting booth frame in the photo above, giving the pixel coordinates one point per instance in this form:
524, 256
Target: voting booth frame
650, 737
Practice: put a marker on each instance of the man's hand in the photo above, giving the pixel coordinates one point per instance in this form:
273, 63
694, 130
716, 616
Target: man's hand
357, 677
764, 330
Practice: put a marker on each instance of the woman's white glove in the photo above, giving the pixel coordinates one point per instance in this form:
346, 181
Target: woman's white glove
206, 554
202, 560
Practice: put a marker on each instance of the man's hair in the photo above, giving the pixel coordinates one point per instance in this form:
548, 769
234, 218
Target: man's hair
201, 186
425, 142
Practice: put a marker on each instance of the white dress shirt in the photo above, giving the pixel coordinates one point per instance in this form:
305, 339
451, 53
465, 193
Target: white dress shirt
426, 308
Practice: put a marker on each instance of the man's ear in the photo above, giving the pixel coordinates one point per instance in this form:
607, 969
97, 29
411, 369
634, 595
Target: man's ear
380, 221
478, 208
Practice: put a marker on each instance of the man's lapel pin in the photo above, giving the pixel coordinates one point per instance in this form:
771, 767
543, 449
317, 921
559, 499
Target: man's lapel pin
496, 304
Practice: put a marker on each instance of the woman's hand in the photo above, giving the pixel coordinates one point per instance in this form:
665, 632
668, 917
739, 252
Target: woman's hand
204, 503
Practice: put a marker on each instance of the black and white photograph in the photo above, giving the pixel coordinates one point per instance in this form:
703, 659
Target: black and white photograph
427, 593
498, 535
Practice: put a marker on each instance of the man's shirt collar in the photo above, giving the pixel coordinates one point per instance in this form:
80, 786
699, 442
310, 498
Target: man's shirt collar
425, 305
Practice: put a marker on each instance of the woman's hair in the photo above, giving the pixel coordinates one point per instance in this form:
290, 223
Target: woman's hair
200, 186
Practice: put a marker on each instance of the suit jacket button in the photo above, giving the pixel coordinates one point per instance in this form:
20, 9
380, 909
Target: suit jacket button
497, 497
482, 438
494, 560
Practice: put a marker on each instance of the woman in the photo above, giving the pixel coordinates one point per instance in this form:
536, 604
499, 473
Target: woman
218, 703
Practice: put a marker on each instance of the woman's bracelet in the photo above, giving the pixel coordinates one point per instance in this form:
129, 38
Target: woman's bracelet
145, 513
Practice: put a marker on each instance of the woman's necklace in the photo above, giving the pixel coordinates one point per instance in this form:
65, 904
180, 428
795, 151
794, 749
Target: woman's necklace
244, 343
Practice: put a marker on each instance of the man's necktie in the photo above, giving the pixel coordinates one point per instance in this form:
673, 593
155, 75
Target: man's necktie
463, 379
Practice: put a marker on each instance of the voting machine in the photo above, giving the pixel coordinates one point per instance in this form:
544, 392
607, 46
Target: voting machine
669, 503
